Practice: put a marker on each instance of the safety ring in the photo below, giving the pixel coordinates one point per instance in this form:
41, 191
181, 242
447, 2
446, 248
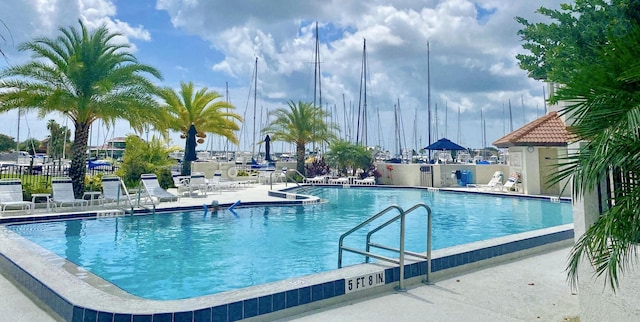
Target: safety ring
232, 172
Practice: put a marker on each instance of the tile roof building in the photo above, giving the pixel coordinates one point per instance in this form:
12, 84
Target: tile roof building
548, 130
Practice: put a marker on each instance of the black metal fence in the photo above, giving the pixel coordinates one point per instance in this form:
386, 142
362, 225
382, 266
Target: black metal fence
41, 174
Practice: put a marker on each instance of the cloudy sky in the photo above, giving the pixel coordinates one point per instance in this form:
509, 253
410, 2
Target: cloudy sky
472, 48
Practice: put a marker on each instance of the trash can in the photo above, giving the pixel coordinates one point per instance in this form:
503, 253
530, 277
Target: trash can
465, 177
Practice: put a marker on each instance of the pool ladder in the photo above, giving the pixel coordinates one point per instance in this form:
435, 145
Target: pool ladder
401, 251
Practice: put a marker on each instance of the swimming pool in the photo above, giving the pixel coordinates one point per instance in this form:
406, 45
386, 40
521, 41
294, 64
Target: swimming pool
189, 254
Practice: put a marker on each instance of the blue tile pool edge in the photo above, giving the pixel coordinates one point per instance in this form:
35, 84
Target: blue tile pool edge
281, 303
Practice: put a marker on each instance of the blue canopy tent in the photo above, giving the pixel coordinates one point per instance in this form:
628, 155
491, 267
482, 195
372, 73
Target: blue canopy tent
444, 144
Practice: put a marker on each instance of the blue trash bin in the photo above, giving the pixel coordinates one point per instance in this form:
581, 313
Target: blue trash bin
465, 177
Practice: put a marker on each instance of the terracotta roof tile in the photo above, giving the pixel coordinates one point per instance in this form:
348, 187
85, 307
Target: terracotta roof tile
548, 130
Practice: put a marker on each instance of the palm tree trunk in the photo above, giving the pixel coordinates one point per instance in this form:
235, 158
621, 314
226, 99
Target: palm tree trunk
78, 168
300, 151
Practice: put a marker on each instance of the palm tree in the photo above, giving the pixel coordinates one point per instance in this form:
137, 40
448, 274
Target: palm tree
344, 155
605, 109
85, 77
300, 124
201, 109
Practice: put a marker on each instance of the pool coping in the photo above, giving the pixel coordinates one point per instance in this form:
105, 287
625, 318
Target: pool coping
64, 289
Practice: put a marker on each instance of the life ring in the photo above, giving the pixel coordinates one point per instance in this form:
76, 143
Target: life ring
232, 172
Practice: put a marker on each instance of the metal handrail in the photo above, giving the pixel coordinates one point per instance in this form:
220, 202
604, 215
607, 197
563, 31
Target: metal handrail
362, 224
401, 250
400, 261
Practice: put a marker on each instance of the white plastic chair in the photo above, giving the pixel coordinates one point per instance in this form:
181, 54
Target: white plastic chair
11, 196
62, 188
153, 189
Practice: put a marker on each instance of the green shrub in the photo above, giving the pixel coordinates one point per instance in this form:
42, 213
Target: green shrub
37, 187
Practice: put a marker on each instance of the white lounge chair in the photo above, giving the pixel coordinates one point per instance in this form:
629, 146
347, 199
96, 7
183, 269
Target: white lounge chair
62, 188
495, 183
114, 191
181, 183
510, 185
153, 189
316, 179
197, 184
11, 196
366, 181
216, 183
341, 180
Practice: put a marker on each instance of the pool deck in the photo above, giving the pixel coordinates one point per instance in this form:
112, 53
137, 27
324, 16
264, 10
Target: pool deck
528, 289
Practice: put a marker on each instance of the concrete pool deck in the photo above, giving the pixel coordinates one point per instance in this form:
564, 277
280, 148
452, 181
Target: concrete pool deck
529, 289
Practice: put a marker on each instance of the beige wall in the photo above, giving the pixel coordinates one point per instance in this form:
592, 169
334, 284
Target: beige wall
409, 174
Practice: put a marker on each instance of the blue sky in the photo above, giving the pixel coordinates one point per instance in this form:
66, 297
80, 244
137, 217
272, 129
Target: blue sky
212, 43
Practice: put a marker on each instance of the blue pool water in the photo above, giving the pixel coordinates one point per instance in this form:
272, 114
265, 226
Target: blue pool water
189, 254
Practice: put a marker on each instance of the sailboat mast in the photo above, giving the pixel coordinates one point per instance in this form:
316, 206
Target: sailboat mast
510, 118
429, 98
544, 99
18, 134
255, 99
362, 102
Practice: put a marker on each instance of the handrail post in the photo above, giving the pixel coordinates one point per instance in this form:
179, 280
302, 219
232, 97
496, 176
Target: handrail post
402, 226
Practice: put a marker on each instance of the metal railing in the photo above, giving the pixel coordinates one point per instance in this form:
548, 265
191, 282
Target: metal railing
401, 251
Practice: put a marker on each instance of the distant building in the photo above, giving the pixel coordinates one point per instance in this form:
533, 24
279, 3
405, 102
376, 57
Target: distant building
113, 149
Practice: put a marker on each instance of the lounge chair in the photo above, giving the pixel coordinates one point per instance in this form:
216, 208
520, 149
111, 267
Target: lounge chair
510, 185
316, 179
63, 195
341, 180
197, 184
114, 191
216, 183
153, 189
366, 181
181, 183
11, 196
495, 183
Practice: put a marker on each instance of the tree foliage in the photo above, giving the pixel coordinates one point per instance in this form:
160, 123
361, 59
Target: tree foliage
144, 157
300, 124
201, 108
596, 59
59, 137
347, 156
84, 76
7, 143
576, 34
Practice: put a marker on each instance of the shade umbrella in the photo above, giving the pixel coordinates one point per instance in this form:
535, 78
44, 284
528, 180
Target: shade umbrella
444, 144
267, 148
189, 150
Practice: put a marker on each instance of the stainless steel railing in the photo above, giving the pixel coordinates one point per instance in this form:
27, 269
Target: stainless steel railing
401, 251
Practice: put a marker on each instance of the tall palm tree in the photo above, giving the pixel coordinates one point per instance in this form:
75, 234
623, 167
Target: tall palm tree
201, 109
300, 124
84, 76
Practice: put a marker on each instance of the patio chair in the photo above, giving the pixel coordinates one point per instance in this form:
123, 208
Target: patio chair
153, 189
510, 185
181, 183
316, 179
62, 188
11, 196
197, 184
340, 180
495, 183
114, 191
216, 183
366, 181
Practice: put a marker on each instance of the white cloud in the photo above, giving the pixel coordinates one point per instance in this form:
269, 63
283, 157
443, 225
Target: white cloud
472, 61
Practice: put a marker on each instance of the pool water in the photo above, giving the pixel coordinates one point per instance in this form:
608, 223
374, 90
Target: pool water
189, 254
